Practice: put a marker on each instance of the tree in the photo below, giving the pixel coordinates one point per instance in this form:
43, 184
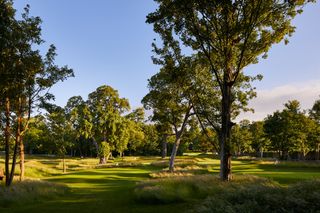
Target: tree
241, 138
21, 69
314, 113
78, 114
229, 35
314, 136
106, 108
60, 133
288, 130
259, 140
172, 93
135, 123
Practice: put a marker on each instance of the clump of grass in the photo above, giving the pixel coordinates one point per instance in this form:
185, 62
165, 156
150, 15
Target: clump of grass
167, 174
179, 171
29, 191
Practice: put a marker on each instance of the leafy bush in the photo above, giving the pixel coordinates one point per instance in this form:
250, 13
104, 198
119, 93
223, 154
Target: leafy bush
29, 191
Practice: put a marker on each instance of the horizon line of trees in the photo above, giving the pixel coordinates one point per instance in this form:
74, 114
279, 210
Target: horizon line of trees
75, 130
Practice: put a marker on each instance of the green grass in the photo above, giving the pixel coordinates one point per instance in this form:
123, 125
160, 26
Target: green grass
111, 188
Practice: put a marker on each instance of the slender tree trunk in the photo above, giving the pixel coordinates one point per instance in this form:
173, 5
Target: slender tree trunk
164, 146
261, 152
174, 153
21, 145
7, 141
16, 145
22, 169
318, 152
64, 164
225, 154
14, 161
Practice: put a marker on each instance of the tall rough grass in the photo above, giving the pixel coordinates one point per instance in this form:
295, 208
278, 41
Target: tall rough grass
300, 197
29, 191
184, 188
244, 194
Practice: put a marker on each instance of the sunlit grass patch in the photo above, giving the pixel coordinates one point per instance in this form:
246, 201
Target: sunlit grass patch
179, 171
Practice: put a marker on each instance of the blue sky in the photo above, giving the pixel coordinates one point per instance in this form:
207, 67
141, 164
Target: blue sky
108, 42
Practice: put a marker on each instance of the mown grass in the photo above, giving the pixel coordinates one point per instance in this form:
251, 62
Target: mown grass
115, 186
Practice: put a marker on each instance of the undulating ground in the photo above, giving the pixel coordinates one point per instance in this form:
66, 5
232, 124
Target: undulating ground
111, 188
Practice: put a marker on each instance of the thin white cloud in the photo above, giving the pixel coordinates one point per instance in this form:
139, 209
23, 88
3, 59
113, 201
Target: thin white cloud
270, 100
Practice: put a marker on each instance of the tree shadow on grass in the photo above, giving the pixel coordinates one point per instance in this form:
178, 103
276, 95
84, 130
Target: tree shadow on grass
97, 190
287, 174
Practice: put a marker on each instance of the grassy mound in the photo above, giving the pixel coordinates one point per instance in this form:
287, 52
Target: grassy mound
29, 191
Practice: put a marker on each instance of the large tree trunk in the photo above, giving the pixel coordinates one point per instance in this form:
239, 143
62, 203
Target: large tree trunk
224, 137
164, 146
174, 153
7, 141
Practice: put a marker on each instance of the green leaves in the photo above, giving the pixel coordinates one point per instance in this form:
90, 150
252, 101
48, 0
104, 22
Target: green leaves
289, 129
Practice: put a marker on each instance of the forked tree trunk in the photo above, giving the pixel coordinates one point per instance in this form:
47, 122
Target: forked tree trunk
7, 140
225, 154
178, 138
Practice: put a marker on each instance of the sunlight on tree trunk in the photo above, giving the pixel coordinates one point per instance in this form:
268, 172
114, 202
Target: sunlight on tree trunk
174, 154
